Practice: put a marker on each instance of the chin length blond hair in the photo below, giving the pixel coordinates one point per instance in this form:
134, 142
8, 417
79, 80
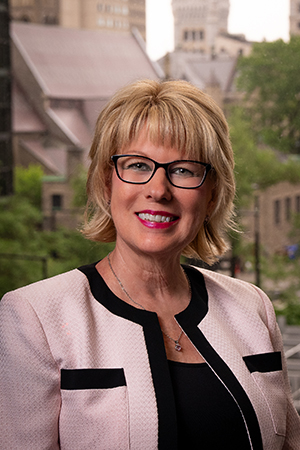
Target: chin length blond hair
175, 114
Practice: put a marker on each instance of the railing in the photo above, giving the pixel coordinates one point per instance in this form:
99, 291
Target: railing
292, 351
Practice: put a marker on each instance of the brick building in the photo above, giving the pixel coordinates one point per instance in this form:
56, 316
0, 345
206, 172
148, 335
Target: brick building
278, 204
112, 15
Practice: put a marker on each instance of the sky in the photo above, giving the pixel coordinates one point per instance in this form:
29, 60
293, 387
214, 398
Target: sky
256, 19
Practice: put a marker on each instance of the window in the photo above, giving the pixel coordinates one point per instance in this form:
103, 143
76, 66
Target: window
186, 36
57, 202
101, 22
201, 33
100, 7
277, 212
288, 209
194, 35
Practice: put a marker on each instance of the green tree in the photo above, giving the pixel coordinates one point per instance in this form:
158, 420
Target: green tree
78, 184
257, 166
28, 184
270, 79
21, 234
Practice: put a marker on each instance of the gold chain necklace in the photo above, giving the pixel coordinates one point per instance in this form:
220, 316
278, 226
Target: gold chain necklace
177, 347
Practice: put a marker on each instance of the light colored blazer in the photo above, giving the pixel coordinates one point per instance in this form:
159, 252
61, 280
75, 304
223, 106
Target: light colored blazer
81, 369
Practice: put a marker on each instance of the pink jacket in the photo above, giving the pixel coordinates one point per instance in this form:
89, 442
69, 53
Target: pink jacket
81, 369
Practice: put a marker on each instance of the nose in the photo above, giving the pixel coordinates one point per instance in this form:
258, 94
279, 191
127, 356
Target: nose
159, 187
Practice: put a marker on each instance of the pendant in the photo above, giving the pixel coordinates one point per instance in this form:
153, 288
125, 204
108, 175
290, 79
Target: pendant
177, 346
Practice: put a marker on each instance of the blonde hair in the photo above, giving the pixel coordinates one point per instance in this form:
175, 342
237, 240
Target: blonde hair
178, 115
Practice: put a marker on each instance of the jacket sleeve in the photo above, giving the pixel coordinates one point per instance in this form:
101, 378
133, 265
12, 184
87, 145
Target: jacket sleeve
292, 440
29, 380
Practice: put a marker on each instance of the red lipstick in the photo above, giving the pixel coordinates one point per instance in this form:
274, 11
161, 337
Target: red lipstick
157, 219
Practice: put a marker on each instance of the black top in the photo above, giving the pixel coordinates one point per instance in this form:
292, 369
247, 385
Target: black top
207, 415
189, 320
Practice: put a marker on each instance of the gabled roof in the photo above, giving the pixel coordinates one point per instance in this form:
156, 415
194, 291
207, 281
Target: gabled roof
53, 158
79, 63
214, 71
24, 119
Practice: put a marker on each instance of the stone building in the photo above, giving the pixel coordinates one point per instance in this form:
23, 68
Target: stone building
277, 205
113, 15
205, 53
62, 79
294, 17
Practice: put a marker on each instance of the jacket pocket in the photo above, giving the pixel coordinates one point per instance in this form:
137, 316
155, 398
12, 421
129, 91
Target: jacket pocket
266, 370
74, 379
94, 410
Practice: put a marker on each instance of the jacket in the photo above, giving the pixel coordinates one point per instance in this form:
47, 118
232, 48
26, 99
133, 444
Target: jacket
81, 369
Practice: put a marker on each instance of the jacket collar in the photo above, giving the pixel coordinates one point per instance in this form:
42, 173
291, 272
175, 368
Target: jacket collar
189, 321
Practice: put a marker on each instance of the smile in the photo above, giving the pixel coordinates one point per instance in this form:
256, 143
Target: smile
157, 218
160, 220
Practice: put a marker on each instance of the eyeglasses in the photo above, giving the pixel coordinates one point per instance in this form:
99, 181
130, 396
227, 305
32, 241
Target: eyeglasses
184, 174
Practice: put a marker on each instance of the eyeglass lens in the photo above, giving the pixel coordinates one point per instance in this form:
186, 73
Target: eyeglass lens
136, 169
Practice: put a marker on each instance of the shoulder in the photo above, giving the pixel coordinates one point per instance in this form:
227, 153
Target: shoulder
226, 284
236, 294
61, 285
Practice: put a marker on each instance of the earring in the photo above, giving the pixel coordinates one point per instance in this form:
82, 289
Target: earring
206, 220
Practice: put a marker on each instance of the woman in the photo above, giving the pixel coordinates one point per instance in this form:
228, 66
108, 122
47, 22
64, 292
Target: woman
137, 351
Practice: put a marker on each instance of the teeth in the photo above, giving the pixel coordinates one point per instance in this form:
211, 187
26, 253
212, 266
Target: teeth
154, 218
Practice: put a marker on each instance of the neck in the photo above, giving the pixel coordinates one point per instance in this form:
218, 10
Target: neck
157, 284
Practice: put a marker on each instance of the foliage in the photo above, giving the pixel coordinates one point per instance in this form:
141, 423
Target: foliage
21, 234
78, 184
256, 167
270, 78
289, 306
28, 184
282, 273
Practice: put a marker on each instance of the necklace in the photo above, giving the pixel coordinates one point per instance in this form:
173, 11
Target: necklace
177, 347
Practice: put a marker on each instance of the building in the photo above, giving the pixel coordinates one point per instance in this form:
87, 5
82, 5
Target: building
35, 11
205, 53
294, 17
277, 206
202, 26
197, 23
112, 15
62, 79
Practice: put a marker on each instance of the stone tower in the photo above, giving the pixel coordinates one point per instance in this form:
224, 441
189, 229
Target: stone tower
294, 17
197, 23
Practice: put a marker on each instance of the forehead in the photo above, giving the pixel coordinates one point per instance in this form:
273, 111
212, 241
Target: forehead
154, 146
156, 149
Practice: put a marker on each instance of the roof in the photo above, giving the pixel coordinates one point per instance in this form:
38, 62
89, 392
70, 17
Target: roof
24, 119
201, 69
55, 159
79, 63
214, 71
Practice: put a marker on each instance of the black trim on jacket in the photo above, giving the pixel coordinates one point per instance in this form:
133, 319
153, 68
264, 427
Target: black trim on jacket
189, 320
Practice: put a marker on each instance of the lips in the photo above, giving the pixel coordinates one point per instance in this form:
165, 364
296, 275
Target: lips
157, 219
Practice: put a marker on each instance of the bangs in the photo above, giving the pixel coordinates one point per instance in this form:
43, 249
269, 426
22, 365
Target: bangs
178, 128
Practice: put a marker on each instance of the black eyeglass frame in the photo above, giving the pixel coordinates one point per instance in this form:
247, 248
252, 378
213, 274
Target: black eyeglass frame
165, 166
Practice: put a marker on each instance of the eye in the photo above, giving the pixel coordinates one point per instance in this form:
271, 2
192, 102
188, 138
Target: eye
183, 171
137, 166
